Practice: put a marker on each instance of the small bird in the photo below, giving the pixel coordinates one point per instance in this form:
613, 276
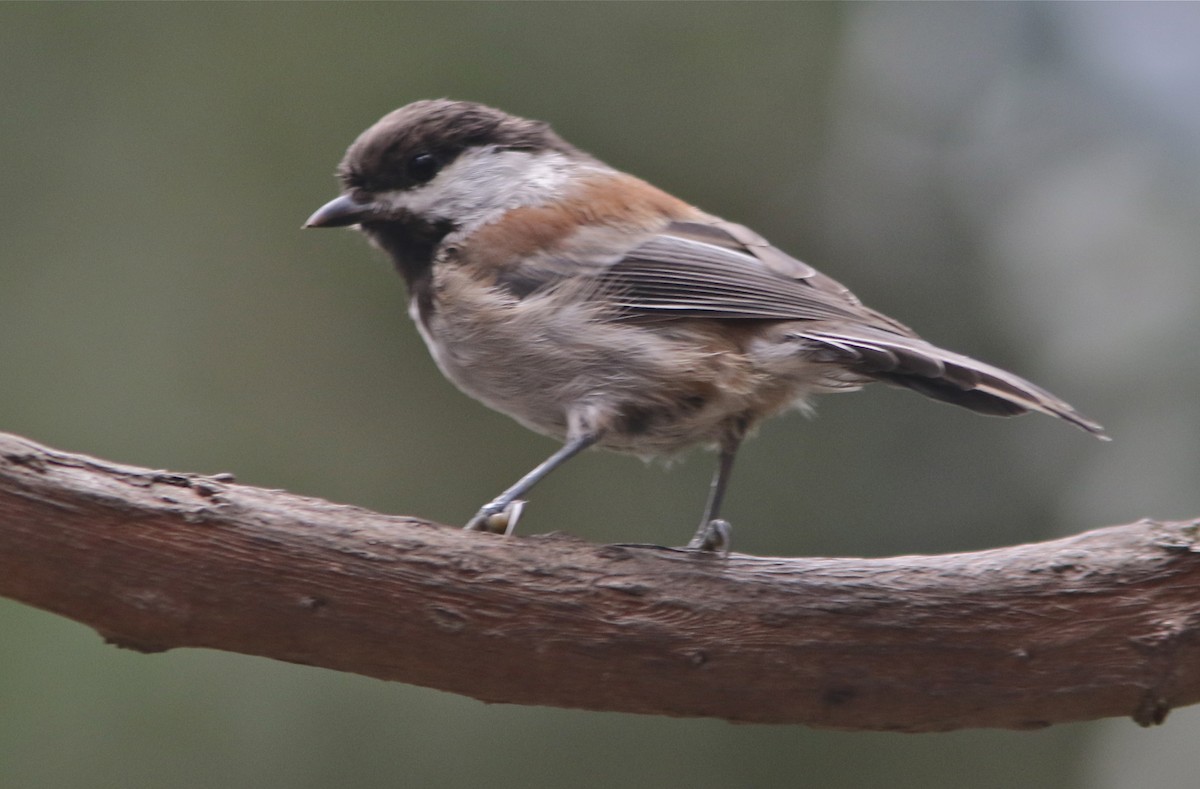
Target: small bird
599, 310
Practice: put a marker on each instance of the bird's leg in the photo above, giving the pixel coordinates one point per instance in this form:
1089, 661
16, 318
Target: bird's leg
714, 533
501, 513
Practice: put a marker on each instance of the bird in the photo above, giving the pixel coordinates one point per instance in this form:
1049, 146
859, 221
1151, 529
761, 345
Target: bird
597, 309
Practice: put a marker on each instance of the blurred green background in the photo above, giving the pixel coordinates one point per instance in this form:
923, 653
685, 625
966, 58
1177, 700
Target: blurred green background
1019, 182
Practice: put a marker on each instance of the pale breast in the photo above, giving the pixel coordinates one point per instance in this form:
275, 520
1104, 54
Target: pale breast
552, 364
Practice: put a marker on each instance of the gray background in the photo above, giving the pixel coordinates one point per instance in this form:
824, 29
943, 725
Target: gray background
1019, 182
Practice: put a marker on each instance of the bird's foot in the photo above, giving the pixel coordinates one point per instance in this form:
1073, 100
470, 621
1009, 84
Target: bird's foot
497, 517
714, 536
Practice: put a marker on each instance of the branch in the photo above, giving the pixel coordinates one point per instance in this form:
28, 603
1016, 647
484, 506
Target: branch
1104, 623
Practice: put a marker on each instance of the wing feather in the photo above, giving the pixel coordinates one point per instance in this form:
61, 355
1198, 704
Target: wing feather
689, 274
718, 270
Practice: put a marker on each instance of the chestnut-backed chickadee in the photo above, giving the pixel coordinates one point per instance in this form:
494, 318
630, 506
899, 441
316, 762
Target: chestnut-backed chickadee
595, 308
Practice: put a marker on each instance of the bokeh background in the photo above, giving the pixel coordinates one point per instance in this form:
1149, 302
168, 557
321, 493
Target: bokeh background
1020, 182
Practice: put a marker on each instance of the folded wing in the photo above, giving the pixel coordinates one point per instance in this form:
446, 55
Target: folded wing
723, 271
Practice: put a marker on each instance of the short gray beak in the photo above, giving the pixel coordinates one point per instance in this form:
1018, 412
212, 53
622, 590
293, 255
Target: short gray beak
340, 212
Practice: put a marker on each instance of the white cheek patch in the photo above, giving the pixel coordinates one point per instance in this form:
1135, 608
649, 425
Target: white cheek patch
483, 183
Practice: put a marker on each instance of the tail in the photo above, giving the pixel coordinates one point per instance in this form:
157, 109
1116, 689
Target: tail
943, 375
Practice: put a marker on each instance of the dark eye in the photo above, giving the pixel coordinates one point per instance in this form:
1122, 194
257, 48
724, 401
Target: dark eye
422, 167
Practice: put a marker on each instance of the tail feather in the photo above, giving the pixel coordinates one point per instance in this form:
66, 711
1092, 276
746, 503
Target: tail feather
943, 375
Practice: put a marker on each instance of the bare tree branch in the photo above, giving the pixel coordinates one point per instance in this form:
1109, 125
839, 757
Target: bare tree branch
1104, 623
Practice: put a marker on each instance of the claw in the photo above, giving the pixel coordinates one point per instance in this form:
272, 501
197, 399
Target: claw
716, 536
497, 518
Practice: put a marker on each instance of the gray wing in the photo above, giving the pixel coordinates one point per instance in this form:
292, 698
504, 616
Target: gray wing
726, 271
719, 270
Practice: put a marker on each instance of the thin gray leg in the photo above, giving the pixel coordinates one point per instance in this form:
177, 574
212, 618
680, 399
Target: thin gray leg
485, 519
714, 534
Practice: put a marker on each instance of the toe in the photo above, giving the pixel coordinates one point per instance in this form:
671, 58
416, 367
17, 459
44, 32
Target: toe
716, 536
497, 519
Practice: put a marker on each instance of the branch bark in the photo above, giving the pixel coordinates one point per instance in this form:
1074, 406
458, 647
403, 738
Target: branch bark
1103, 623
